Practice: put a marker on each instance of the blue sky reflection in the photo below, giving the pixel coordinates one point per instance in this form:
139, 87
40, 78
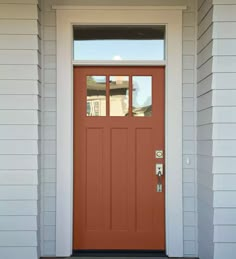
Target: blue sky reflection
113, 49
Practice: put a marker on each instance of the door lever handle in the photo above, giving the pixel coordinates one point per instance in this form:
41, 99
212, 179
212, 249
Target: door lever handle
159, 173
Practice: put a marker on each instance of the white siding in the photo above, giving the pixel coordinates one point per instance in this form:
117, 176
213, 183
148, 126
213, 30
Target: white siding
19, 131
223, 134
16, 11
225, 250
16, 223
19, 42
205, 143
18, 177
48, 179
216, 105
11, 27
19, 57
18, 238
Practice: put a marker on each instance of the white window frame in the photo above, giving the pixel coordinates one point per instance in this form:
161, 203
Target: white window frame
66, 17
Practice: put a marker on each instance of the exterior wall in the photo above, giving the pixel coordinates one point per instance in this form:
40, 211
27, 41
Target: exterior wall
19, 128
49, 122
48, 130
216, 129
20, 91
204, 122
224, 125
189, 130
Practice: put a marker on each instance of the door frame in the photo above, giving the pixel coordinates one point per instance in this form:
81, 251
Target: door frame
171, 16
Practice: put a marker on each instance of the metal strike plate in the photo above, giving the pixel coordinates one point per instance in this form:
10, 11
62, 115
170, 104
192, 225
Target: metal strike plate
159, 169
159, 153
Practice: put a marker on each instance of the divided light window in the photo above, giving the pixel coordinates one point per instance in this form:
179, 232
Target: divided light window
119, 43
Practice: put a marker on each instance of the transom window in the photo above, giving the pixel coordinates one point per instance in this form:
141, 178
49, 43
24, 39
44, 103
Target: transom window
119, 43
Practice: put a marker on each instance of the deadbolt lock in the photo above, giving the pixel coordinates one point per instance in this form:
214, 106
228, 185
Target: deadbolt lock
159, 154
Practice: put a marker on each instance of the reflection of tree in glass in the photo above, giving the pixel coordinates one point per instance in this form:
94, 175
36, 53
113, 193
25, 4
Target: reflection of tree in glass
96, 83
90, 79
141, 93
142, 96
148, 101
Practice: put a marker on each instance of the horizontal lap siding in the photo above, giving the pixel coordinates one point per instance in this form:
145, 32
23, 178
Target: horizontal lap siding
19, 42
224, 101
19, 87
19, 132
21, 57
48, 178
18, 177
19, 128
17, 27
204, 130
189, 183
18, 252
189, 190
216, 131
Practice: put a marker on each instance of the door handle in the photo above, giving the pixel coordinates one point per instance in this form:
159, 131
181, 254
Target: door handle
159, 173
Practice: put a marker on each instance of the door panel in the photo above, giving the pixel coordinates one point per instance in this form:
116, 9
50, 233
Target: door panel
119, 179
94, 179
118, 125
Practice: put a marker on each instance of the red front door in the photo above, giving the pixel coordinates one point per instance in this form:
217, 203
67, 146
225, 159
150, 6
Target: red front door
118, 126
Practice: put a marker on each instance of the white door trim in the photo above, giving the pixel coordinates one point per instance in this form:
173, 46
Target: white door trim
172, 18
118, 7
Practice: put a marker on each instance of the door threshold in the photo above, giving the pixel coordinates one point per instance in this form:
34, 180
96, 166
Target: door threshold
119, 253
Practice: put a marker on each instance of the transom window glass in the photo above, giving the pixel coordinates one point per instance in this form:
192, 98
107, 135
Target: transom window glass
119, 42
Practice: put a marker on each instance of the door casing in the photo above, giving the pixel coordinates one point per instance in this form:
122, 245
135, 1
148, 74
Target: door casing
135, 15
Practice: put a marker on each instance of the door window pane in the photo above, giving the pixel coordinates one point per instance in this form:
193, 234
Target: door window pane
119, 95
96, 95
142, 96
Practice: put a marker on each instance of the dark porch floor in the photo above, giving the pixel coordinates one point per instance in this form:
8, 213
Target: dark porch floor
81, 257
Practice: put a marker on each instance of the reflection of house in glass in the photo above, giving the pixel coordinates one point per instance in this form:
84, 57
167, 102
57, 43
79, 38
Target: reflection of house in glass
96, 96
118, 97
